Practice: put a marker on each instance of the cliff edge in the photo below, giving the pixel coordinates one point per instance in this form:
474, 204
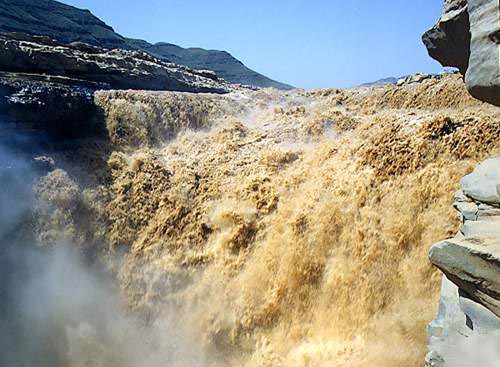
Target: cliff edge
470, 296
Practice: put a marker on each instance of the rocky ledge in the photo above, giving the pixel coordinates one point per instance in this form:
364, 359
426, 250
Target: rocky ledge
48, 86
467, 36
55, 105
470, 296
117, 69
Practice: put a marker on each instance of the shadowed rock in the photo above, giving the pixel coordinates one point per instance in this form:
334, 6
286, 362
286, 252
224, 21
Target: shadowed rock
467, 36
471, 261
449, 40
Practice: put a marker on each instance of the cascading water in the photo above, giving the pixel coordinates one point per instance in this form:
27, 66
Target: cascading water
259, 229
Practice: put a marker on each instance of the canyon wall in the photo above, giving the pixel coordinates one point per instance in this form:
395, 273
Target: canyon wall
68, 24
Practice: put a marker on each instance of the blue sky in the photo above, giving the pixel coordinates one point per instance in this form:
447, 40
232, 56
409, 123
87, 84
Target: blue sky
315, 43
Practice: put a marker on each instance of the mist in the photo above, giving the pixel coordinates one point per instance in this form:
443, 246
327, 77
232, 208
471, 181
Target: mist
58, 307
475, 350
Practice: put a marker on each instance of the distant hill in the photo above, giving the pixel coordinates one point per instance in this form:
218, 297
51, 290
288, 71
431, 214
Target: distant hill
380, 82
68, 24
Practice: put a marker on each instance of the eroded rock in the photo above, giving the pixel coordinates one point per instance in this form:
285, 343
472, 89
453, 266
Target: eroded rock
483, 74
68, 24
449, 40
473, 265
59, 106
117, 68
483, 184
467, 36
470, 297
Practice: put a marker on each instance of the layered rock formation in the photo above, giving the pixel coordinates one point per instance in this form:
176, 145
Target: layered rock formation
49, 86
467, 36
57, 105
119, 69
69, 24
470, 297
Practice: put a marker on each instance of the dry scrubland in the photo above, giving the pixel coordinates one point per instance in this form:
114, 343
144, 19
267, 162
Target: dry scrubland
282, 229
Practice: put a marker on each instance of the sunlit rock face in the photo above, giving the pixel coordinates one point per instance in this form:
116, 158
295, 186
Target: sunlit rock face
470, 296
117, 68
467, 36
483, 74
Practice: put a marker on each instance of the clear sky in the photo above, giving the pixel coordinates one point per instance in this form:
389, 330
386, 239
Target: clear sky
315, 43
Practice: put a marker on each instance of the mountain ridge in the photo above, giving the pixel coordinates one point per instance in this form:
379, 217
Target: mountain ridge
68, 24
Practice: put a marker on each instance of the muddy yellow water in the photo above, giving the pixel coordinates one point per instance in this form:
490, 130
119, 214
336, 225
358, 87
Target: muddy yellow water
281, 229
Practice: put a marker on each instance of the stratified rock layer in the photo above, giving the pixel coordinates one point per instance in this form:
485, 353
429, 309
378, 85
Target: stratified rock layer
471, 261
67, 24
117, 68
473, 266
62, 106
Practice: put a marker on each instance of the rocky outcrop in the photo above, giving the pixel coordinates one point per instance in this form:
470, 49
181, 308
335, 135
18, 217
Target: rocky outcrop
57, 105
470, 296
69, 24
449, 40
483, 75
415, 79
48, 86
467, 36
119, 69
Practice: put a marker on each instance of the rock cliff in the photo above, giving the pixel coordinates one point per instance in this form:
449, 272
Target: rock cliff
49, 86
69, 24
467, 36
470, 296
119, 69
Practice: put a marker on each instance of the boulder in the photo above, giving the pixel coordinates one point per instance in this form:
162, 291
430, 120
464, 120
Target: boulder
483, 184
467, 36
474, 266
449, 40
483, 74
